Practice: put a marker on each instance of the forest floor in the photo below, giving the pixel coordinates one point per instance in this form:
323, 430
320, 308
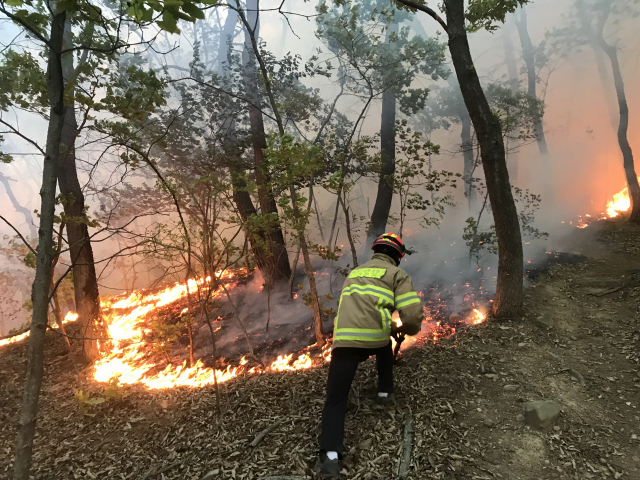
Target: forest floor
580, 320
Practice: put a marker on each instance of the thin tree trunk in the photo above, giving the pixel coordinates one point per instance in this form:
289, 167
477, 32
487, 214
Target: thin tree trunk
510, 55
508, 299
250, 22
214, 352
56, 302
514, 84
278, 258
469, 157
605, 79
627, 153
226, 36
25, 212
313, 290
352, 244
528, 53
384, 198
85, 282
44, 258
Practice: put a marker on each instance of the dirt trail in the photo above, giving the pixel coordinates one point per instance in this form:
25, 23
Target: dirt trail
578, 345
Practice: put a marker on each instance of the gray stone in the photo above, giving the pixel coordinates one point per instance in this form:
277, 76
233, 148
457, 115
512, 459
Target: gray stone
520, 418
511, 388
541, 413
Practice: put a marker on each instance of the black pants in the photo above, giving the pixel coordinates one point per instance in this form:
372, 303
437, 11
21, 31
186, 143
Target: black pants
342, 369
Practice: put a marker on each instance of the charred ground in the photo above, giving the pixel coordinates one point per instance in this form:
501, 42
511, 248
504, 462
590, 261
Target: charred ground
581, 323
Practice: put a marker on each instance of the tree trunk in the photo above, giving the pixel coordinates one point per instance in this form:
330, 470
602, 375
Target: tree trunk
510, 55
313, 290
226, 36
605, 79
85, 282
278, 260
514, 83
352, 244
382, 207
44, 259
469, 157
528, 53
25, 212
384, 198
508, 300
627, 154
56, 303
241, 196
245, 206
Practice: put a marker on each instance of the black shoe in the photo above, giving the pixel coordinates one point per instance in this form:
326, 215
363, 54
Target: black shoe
329, 468
386, 401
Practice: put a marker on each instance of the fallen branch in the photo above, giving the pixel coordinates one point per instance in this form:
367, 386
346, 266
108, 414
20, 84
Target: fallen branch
153, 472
611, 290
284, 477
407, 447
266, 432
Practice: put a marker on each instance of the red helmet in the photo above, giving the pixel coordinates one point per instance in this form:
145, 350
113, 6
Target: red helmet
391, 240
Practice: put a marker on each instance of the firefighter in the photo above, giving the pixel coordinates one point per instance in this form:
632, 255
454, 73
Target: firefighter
363, 328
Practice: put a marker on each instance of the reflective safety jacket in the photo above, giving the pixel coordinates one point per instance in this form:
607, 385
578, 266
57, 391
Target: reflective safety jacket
370, 295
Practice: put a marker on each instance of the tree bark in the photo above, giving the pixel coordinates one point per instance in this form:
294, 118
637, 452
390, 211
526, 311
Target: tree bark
627, 153
382, 207
44, 258
85, 282
528, 53
278, 261
245, 206
508, 299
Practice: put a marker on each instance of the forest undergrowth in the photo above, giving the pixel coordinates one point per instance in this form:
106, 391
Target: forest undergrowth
578, 344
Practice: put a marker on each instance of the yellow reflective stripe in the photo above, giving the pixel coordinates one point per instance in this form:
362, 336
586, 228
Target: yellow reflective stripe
384, 314
361, 339
368, 273
363, 330
407, 299
406, 303
361, 334
370, 290
406, 295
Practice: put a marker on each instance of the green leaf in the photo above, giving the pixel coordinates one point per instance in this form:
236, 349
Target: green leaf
193, 10
14, 3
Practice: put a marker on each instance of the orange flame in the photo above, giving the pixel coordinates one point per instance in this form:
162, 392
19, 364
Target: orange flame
478, 317
69, 317
620, 203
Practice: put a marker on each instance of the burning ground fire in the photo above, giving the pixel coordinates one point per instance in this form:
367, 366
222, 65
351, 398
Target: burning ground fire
619, 204
132, 361
129, 359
